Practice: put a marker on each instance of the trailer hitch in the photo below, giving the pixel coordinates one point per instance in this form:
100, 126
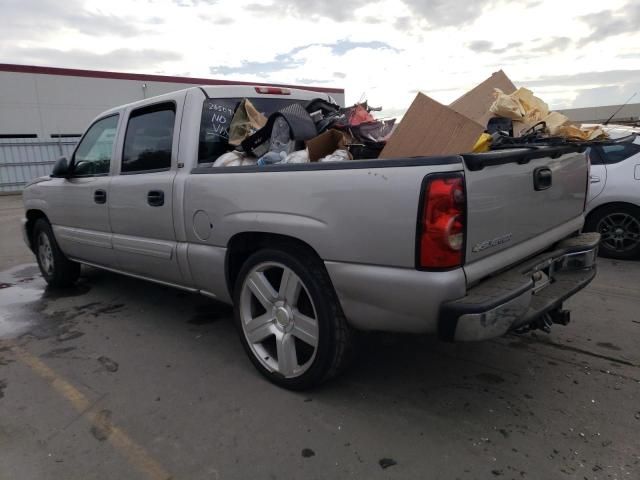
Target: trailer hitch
557, 316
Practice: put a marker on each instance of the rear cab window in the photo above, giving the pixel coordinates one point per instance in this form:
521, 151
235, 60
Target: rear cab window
217, 114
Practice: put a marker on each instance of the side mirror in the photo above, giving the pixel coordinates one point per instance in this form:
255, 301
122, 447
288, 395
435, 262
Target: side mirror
60, 168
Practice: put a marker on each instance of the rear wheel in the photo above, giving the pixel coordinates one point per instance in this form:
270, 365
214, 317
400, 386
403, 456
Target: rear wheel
290, 323
619, 226
57, 270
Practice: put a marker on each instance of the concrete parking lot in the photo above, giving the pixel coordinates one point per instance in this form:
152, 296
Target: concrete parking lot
118, 378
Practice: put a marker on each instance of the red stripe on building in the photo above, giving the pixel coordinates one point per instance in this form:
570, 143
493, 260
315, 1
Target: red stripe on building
74, 72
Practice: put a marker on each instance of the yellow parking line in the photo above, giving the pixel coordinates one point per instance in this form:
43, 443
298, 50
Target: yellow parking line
134, 453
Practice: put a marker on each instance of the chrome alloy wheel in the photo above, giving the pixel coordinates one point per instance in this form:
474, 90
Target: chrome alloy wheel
45, 253
620, 231
279, 319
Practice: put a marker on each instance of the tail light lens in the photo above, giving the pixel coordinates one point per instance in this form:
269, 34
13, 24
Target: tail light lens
441, 225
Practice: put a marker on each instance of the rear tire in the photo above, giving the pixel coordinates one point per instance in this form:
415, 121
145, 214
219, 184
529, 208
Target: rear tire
289, 318
56, 268
619, 226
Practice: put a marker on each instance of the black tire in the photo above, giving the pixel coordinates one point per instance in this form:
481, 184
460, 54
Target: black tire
619, 225
56, 268
334, 347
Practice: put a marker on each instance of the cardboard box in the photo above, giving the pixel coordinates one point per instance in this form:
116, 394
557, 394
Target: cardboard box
325, 144
476, 102
430, 128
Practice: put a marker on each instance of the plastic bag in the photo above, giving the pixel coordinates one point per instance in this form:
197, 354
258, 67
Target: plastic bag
554, 121
507, 106
577, 133
234, 159
521, 105
246, 121
337, 156
300, 156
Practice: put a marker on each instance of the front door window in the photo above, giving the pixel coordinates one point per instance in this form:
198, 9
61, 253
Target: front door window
93, 155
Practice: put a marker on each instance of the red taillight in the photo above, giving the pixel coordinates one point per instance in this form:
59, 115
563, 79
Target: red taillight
441, 223
273, 90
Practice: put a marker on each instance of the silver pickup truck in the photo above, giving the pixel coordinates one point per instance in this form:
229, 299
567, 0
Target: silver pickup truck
468, 247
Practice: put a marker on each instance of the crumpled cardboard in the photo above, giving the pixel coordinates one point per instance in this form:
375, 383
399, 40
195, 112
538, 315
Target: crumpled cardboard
246, 120
476, 102
430, 128
326, 143
526, 110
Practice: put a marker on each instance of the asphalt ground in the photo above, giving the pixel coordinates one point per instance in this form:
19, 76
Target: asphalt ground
119, 378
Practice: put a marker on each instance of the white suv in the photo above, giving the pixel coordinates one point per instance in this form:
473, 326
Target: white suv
613, 205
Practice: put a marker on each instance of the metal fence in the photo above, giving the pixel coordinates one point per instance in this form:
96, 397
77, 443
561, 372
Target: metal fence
22, 159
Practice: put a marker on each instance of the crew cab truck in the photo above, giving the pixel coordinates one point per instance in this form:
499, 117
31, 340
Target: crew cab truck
468, 247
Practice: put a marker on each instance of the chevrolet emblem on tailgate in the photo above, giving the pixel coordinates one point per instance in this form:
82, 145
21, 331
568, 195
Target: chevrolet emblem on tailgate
479, 247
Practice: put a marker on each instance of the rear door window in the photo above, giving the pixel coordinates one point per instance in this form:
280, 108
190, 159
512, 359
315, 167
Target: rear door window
217, 114
148, 140
617, 153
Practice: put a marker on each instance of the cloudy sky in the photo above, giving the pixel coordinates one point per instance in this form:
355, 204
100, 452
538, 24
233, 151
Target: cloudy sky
572, 53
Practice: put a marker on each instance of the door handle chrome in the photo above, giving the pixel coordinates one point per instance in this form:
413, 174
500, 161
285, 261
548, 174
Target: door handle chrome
594, 179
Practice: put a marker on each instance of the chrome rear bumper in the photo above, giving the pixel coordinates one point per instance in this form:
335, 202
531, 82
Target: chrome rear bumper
522, 294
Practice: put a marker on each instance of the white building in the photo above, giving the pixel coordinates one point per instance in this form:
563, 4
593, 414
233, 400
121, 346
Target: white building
44, 111
53, 102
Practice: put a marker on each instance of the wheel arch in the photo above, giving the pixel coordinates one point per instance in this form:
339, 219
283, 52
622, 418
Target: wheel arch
242, 245
602, 206
32, 216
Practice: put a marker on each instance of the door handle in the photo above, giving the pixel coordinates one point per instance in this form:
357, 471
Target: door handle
542, 178
594, 179
155, 198
100, 196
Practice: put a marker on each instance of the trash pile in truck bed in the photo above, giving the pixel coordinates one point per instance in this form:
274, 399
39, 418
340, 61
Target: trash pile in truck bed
492, 115
319, 131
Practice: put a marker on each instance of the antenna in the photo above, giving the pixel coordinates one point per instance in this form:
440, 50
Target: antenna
621, 107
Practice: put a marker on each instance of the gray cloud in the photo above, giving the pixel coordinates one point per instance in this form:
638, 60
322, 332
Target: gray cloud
337, 10
403, 23
438, 13
554, 44
612, 95
610, 24
120, 59
480, 46
285, 61
22, 20
483, 46
610, 77
445, 13
372, 20
339, 75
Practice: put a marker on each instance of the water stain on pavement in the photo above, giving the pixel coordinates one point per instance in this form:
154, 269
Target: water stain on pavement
57, 352
490, 378
3, 385
108, 364
81, 288
209, 313
609, 346
102, 428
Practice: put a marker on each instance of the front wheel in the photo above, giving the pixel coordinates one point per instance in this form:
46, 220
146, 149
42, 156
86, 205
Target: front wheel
289, 319
56, 268
619, 226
